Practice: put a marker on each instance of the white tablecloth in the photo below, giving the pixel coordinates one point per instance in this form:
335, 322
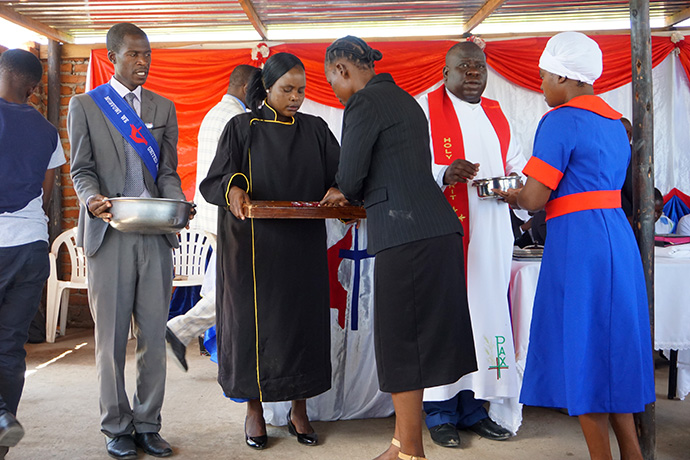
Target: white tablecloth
671, 307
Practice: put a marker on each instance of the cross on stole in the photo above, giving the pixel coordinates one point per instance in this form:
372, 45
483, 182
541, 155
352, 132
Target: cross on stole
356, 255
500, 364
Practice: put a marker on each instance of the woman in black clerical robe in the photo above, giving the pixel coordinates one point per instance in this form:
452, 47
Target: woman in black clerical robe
273, 319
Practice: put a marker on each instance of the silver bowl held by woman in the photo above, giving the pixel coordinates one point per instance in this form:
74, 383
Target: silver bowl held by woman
149, 215
485, 186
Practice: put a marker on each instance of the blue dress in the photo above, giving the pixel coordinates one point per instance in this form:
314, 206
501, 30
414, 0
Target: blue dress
590, 343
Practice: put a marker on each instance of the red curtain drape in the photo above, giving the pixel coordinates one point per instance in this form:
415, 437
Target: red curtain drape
518, 60
197, 79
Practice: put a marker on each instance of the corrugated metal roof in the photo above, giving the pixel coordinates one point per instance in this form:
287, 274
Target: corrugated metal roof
78, 19
582, 10
332, 12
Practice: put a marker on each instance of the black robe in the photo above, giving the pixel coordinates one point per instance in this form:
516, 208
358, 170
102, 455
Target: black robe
273, 273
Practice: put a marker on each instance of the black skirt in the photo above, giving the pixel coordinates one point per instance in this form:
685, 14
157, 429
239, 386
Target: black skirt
422, 329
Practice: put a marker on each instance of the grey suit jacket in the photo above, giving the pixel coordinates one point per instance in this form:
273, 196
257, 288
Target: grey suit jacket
98, 159
385, 162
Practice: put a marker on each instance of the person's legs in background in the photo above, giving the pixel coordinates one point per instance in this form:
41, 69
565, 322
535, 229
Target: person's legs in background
23, 273
473, 416
182, 329
463, 411
442, 419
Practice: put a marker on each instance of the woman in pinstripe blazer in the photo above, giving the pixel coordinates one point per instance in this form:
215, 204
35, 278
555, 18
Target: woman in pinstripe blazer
423, 336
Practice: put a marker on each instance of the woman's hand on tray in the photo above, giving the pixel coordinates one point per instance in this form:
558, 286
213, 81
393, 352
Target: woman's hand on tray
510, 196
334, 197
237, 199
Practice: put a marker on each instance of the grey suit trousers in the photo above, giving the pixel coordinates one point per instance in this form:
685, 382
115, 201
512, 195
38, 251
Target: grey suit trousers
130, 277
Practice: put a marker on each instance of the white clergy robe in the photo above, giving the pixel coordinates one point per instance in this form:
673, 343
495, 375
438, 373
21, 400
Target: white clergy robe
489, 258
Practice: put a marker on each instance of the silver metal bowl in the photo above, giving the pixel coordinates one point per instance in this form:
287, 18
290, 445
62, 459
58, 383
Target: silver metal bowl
505, 183
149, 215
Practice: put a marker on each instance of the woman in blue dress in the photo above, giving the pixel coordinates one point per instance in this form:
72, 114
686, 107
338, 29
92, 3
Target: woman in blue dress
590, 343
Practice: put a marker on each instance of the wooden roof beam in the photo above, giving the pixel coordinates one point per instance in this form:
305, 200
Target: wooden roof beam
254, 18
484, 12
34, 25
678, 17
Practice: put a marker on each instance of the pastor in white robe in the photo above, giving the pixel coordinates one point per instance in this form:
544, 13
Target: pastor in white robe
489, 257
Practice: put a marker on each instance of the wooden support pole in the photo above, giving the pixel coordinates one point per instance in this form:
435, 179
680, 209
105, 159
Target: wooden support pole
55, 209
7, 12
254, 18
484, 12
643, 181
678, 17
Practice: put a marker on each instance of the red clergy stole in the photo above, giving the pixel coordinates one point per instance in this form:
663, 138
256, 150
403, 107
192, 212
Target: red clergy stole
448, 146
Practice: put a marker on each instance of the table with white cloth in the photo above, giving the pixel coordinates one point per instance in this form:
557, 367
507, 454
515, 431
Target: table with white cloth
671, 309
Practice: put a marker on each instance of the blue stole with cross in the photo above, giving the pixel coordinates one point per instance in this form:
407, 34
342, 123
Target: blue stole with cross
128, 123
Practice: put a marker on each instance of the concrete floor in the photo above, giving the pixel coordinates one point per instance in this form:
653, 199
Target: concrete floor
59, 411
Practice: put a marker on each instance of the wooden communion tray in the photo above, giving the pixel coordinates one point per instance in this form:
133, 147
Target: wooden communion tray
301, 210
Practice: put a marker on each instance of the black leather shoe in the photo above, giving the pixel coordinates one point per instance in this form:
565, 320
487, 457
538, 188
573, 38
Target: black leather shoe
176, 349
153, 444
255, 442
445, 435
310, 439
121, 447
487, 428
11, 430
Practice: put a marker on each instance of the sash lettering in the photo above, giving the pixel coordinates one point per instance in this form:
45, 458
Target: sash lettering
128, 123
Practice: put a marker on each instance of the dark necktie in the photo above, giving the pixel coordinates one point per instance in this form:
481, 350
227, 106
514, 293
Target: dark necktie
134, 175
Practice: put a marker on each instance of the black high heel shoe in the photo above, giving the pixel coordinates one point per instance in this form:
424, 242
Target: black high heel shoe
255, 442
310, 439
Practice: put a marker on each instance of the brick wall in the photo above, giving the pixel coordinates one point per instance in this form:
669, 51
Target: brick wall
72, 82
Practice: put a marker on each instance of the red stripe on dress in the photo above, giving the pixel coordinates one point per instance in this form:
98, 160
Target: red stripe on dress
599, 199
538, 169
594, 104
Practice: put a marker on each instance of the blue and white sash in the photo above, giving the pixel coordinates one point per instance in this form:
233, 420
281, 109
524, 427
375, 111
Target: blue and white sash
128, 123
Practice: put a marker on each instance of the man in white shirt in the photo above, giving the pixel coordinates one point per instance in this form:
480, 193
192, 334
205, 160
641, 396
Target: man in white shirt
183, 329
684, 226
663, 225
470, 137
30, 153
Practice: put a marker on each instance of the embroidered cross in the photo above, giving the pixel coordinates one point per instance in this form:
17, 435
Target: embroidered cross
500, 364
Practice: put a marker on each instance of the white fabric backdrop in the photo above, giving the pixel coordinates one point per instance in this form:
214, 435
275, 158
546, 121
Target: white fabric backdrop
524, 109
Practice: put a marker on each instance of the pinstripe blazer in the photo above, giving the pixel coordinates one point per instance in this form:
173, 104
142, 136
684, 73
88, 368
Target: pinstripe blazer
386, 164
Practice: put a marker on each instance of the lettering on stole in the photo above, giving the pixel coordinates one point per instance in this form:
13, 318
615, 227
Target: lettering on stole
448, 145
500, 356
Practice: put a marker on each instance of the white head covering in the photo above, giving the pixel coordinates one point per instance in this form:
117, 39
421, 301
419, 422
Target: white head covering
573, 55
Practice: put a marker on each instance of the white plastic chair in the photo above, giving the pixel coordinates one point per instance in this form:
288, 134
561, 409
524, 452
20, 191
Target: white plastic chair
57, 301
189, 260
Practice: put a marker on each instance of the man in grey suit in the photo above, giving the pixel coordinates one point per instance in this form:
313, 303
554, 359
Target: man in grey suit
130, 274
